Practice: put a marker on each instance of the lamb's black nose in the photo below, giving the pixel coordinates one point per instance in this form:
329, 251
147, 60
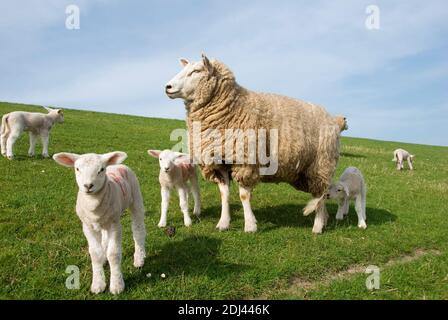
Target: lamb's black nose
168, 87
88, 186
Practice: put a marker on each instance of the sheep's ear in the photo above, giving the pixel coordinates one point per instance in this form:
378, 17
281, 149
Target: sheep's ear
66, 159
183, 62
60, 111
112, 158
207, 63
154, 153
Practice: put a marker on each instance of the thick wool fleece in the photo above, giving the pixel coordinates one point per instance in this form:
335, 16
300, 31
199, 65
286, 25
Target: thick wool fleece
308, 148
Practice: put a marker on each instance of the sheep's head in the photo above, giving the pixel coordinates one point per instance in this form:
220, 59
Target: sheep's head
167, 158
57, 114
195, 83
342, 123
90, 169
337, 191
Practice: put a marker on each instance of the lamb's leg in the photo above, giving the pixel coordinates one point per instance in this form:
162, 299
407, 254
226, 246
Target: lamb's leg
224, 189
196, 196
342, 209
98, 257
138, 229
12, 138
114, 257
32, 148
183, 203
165, 192
45, 139
250, 223
3, 139
360, 207
410, 163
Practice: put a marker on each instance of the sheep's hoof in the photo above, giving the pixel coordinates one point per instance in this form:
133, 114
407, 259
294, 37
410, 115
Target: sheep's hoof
222, 226
116, 285
341, 217
98, 287
30, 155
317, 229
187, 223
45, 156
162, 224
139, 261
10, 157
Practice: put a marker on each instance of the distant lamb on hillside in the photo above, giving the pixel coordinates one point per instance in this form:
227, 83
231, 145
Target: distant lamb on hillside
401, 155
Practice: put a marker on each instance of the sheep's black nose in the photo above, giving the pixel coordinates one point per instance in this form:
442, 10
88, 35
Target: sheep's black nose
88, 186
168, 87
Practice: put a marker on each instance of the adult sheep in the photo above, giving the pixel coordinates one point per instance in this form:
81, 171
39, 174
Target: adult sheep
305, 151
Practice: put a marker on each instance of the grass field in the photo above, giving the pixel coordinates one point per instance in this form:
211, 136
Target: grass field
406, 235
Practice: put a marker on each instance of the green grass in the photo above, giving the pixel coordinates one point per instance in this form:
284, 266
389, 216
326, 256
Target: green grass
41, 234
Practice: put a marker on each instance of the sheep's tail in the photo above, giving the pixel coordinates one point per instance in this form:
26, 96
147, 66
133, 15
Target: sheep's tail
395, 159
313, 205
5, 126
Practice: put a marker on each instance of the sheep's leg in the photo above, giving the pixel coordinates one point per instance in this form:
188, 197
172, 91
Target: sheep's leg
360, 208
45, 138
165, 192
321, 217
32, 148
114, 257
410, 163
98, 257
250, 223
12, 138
138, 229
183, 203
224, 189
196, 196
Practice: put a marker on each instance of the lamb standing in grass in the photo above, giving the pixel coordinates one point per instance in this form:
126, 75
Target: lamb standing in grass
176, 170
350, 186
106, 190
305, 156
38, 124
401, 155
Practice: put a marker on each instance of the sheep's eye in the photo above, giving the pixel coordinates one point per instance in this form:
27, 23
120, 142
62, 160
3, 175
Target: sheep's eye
102, 169
160, 159
77, 169
194, 71
339, 190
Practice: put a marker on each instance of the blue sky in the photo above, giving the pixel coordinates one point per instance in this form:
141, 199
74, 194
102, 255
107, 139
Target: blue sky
391, 83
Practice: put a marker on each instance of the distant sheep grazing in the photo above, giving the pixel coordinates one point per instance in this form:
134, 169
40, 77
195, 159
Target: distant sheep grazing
308, 138
38, 124
401, 155
106, 190
351, 185
176, 170
342, 123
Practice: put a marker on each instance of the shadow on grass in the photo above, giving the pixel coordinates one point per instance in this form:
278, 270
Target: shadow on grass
289, 215
351, 155
193, 256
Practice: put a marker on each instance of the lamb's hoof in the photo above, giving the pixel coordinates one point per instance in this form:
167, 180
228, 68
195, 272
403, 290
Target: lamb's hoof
98, 287
362, 225
4, 154
116, 285
250, 228
10, 157
139, 260
223, 225
197, 213
317, 230
45, 156
340, 218
187, 223
30, 155
162, 224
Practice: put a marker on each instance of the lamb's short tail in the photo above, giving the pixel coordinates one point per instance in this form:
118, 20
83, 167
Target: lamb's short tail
5, 125
312, 205
395, 159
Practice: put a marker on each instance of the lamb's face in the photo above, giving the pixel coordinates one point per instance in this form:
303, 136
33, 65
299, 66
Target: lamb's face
90, 171
337, 191
186, 83
166, 160
60, 115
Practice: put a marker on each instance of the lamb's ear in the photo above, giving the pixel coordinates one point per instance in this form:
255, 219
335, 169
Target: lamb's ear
66, 159
112, 158
154, 153
183, 62
207, 63
347, 192
60, 111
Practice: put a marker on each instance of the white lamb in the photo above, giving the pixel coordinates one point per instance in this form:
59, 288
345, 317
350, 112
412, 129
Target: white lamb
38, 124
176, 170
401, 155
350, 186
106, 190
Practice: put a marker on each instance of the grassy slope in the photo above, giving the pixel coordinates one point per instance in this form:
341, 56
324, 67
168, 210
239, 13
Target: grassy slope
41, 235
